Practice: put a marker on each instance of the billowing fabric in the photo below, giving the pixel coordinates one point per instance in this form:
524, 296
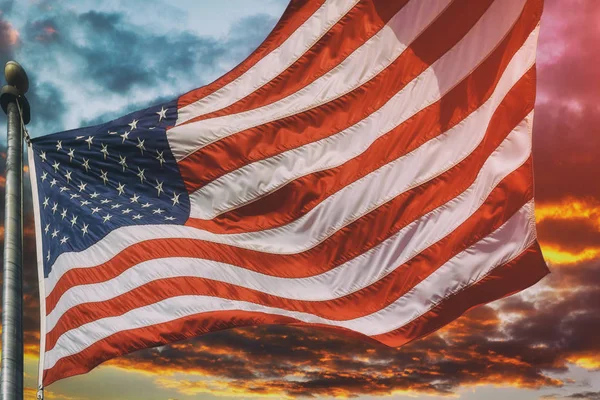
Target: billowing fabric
368, 169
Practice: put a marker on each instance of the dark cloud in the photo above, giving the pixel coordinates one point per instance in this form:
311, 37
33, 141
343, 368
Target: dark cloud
566, 137
104, 51
573, 235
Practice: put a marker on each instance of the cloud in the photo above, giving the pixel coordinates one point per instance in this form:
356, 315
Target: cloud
567, 112
96, 65
569, 230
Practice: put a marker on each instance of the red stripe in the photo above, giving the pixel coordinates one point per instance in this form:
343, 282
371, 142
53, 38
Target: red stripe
354, 239
269, 139
353, 30
276, 209
505, 200
519, 274
297, 12
514, 276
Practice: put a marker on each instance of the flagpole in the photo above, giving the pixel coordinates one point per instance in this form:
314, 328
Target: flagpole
16, 107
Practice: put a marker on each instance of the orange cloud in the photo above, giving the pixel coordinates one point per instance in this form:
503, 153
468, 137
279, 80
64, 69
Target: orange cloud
570, 209
557, 256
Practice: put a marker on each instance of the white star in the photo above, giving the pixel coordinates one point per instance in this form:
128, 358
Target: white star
140, 145
175, 198
162, 113
55, 166
95, 210
71, 154
84, 229
79, 137
46, 200
58, 145
123, 162
105, 201
82, 186
54, 207
137, 216
73, 220
48, 256
159, 187
68, 176
104, 176
106, 218
121, 188
85, 203
111, 133
135, 198
146, 205
104, 150
125, 136
127, 211
159, 157
133, 124
140, 174
74, 196
43, 155
64, 240
115, 206
44, 176
169, 218
94, 195
63, 214
158, 211
64, 189
89, 141
54, 233
47, 228
53, 182
86, 164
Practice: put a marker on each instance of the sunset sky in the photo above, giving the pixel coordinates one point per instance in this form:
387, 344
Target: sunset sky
91, 61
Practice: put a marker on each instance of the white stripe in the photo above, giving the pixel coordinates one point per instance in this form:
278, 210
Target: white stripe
273, 63
255, 180
364, 63
40, 258
352, 276
333, 213
466, 268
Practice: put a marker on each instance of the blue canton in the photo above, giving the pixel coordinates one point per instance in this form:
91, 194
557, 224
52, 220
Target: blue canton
97, 179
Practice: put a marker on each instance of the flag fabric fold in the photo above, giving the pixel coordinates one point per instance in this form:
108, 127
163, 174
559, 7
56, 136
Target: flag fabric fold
367, 169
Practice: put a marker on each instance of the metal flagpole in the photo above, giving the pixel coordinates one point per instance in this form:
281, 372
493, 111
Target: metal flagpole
16, 107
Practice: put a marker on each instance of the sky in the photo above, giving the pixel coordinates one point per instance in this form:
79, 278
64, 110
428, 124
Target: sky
92, 61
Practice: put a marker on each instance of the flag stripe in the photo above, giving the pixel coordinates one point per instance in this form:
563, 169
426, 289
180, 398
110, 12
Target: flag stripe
269, 139
357, 26
524, 271
377, 53
489, 217
514, 109
272, 64
296, 14
262, 177
275, 209
504, 244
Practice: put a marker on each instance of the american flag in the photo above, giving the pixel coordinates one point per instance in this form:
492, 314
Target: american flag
367, 169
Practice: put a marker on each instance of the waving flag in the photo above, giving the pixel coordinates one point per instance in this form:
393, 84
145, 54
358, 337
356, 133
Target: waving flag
367, 168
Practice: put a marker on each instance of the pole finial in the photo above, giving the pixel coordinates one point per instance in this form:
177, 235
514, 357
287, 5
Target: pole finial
15, 89
16, 77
